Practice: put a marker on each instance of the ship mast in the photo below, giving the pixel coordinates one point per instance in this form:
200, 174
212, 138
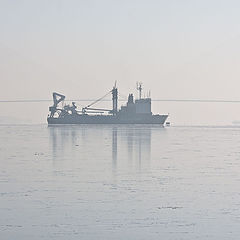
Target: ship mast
115, 99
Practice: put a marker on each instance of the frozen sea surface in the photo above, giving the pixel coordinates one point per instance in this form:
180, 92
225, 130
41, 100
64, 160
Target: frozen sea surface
119, 182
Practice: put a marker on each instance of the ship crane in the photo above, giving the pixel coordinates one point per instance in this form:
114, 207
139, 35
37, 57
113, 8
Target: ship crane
89, 109
57, 98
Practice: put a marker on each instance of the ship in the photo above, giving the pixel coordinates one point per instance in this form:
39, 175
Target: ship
133, 112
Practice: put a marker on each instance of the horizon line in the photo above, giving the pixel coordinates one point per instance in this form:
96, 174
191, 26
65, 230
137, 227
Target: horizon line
107, 100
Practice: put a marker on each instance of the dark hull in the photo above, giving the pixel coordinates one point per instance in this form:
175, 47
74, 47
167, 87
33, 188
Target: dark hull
101, 119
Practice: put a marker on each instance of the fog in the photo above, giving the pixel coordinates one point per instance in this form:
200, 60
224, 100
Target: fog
178, 49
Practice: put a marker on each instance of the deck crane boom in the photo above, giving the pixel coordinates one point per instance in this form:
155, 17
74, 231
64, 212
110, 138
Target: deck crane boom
114, 109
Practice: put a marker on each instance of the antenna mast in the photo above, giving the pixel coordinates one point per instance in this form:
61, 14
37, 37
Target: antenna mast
139, 88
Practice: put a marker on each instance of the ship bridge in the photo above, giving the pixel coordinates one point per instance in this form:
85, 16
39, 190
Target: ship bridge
141, 106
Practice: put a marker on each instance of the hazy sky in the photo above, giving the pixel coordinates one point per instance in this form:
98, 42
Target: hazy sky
178, 49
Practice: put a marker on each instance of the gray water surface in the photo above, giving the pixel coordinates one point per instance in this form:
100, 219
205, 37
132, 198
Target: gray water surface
119, 182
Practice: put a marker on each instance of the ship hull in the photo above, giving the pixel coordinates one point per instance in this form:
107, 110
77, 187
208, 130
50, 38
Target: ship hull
101, 119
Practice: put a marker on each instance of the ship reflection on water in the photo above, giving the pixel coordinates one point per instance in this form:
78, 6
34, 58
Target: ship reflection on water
122, 146
136, 141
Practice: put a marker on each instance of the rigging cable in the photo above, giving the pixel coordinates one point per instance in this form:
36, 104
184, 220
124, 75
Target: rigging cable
98, 99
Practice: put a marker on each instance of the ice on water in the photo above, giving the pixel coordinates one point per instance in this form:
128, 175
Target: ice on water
119, 182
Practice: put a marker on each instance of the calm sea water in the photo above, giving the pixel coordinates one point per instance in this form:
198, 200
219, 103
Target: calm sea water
119, 182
